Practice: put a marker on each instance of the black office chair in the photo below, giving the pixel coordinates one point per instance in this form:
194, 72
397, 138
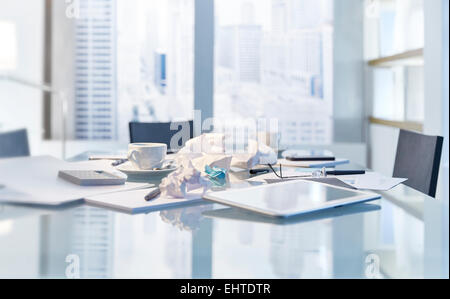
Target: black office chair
418, 159
14, 144
161, 133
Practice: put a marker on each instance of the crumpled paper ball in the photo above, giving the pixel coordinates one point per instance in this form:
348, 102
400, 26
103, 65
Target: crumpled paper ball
183, 180
256, 153
208, 150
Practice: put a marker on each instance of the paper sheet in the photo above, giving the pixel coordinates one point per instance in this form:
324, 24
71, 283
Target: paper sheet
133, 201
35, 180
371, 181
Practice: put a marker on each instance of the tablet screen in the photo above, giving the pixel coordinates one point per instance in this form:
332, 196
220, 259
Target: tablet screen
289, 198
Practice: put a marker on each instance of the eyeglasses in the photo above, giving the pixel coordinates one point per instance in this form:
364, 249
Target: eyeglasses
315, 174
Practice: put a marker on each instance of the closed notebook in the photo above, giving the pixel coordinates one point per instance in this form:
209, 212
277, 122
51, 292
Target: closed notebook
308, 155
313, 164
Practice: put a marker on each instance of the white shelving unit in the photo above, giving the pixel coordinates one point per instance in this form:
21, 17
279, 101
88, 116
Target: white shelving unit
394, 74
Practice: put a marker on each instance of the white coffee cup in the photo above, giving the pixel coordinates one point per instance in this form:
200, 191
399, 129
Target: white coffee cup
146, 156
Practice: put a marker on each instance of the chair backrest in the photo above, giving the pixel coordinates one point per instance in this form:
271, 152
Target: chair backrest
418, 159
14, 144
161, 133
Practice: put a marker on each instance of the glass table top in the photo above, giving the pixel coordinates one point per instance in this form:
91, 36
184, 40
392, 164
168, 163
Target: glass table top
403, 235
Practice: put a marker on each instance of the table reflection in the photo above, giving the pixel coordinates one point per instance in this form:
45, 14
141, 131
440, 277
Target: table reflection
400, 236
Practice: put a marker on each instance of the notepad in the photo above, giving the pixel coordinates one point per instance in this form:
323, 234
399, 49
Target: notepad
133, 202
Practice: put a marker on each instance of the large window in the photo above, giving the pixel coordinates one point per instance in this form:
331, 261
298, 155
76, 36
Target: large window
134, 62
155, 60
274, 60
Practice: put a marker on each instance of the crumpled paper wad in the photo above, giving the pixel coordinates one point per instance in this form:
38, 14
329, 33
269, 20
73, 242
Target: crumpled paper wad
183, 180
205, 152
256, 153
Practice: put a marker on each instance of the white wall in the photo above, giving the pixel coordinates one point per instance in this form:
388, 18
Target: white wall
436, 78
434, 67
349, 124
436, 116
445, 79
383, 141
21, 106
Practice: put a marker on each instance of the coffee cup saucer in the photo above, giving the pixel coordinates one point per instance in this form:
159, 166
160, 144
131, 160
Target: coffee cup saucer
129, 169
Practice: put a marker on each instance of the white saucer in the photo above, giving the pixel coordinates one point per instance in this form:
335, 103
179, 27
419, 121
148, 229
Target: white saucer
130, 170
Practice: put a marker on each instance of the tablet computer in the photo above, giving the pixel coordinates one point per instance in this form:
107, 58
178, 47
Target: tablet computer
290, 198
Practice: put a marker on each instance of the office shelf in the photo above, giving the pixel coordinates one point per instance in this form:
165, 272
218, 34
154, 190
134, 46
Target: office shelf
405, 125
408, 58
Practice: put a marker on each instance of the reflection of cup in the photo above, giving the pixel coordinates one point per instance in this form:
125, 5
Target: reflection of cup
146, 156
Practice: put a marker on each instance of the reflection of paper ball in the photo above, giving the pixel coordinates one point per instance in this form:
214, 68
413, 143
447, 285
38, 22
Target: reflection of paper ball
187, 219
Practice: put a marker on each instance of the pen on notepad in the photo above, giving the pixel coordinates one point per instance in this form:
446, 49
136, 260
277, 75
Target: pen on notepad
259, 171
152, 195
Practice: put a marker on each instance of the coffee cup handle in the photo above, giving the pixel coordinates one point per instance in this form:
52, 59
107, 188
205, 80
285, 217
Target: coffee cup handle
132, 157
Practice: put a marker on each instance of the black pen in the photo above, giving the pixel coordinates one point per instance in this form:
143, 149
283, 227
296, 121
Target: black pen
119, 162
152, 195
259, 171
345, 172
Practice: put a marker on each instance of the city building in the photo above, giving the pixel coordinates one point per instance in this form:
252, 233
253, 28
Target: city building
283, 66
95, 109
240, 51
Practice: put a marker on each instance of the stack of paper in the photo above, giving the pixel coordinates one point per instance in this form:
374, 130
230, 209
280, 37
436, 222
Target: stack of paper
34, 180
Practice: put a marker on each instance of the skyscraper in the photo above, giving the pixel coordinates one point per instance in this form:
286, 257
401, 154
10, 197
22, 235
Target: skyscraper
278, 63
240, 50
95, 70
294, 52
279, 18
249, 52
160, 72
